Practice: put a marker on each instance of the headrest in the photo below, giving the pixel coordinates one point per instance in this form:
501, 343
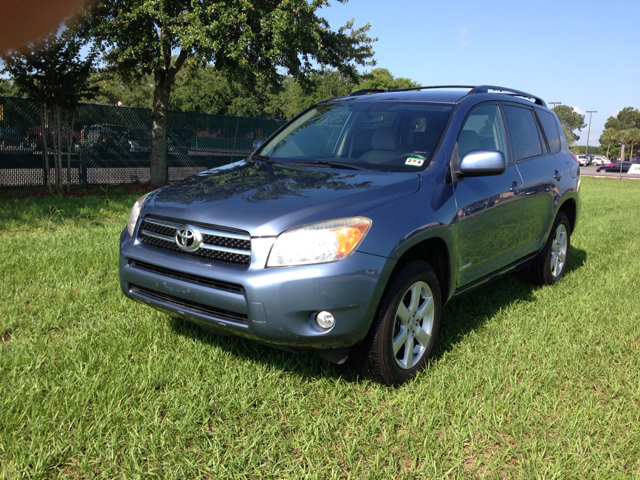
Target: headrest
384, 139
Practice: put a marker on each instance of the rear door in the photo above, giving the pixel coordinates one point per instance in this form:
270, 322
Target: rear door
540, 171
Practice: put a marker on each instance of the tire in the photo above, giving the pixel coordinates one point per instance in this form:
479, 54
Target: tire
549, 265
408, 320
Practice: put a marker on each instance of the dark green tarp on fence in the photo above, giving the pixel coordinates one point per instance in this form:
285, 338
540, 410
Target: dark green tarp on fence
112, 144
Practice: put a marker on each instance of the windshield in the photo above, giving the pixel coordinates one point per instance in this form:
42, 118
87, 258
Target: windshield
386, 136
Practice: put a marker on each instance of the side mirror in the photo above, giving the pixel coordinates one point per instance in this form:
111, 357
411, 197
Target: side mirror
480, 163
256, 144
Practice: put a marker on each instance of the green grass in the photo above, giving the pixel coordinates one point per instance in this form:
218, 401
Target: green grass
526, 382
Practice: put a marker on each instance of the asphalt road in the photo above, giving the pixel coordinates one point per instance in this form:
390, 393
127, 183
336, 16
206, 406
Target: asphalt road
590, 171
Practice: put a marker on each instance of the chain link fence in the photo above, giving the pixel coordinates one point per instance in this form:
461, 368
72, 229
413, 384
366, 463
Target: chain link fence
112, 144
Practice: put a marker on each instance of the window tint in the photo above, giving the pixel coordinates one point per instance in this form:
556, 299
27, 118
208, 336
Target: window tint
550, 128
482, 130
523, 131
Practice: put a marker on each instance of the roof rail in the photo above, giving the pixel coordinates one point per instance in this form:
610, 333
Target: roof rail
364, 91
472, 90
517, 93
430, 87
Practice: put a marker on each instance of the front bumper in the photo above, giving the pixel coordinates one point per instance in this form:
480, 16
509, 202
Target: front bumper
273, 305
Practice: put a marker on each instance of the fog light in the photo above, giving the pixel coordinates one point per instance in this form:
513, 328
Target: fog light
325, 320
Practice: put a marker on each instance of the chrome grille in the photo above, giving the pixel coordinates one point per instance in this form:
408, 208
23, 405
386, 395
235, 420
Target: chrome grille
218, 244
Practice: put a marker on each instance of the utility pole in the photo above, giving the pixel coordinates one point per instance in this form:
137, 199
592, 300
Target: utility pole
590, 112
554, 104
621, 158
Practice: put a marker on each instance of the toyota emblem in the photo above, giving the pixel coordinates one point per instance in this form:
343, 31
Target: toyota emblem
188, 238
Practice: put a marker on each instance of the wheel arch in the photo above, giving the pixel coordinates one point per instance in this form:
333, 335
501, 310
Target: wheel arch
569, 208
435, 252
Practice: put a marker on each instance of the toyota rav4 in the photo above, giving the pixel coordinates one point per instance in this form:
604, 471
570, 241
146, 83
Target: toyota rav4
348, 229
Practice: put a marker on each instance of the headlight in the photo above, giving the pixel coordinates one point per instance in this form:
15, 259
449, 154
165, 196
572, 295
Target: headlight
135, 213
319, 242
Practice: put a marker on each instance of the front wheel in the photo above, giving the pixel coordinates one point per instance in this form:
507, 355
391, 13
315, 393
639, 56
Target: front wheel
549, 265
405, 328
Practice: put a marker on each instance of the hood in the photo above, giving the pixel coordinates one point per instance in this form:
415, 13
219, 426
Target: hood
267, 199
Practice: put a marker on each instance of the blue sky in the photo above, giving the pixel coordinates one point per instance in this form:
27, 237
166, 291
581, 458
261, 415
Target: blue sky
585, 54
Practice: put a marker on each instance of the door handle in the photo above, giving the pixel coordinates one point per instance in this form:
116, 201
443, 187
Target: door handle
515, 187
557, 175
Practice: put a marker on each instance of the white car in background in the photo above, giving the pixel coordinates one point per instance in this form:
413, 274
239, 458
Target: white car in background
584, 160
598, 161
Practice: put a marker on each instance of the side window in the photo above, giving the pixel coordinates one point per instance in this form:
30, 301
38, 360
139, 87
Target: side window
523, 131
482, 130
550, 127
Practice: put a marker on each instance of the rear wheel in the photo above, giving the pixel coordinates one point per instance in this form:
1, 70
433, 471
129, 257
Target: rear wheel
549, 265
405, 328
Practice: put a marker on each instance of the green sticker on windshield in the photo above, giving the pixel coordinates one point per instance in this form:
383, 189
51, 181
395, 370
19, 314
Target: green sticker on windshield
414, 161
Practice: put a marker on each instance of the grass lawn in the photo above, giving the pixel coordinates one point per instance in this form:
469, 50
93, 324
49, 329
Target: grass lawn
526, 382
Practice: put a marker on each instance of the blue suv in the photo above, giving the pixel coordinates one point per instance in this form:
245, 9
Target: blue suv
349, 228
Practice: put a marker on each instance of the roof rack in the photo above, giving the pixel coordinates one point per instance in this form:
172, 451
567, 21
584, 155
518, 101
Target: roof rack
473, 90
364, 91
430, 87
517, 93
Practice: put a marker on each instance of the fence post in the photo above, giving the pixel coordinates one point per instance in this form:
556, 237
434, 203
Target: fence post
83, 168
45, 174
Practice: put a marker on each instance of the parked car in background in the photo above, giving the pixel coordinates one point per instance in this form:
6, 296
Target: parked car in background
34, 135
139, 139
598, 161
616, 167
13, 139
178, 140
350, 227
105, 140
584, 160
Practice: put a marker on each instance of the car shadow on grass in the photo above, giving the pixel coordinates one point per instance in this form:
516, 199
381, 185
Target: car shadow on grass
473, 309
304, 364
459, 317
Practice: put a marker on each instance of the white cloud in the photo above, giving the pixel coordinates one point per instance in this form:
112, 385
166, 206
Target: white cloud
615, 114
578, 110
464, 43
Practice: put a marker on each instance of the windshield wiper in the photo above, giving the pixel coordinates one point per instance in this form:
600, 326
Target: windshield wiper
265, 158
323, 163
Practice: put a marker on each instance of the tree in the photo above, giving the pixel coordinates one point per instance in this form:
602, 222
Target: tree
381, 78
51, 73
570, 120
112, 90
7, 87
608, 138
253, 39
623, 128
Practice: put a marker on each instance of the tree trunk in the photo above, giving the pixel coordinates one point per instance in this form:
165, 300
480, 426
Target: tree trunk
631, 152
59, 150
159, 112
608, 147
45, 151
69, 146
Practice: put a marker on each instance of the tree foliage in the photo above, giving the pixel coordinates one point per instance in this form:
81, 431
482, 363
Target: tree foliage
381, 78
202, 88
7, 87
624, 128
255, 40
52, 73
571, 121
